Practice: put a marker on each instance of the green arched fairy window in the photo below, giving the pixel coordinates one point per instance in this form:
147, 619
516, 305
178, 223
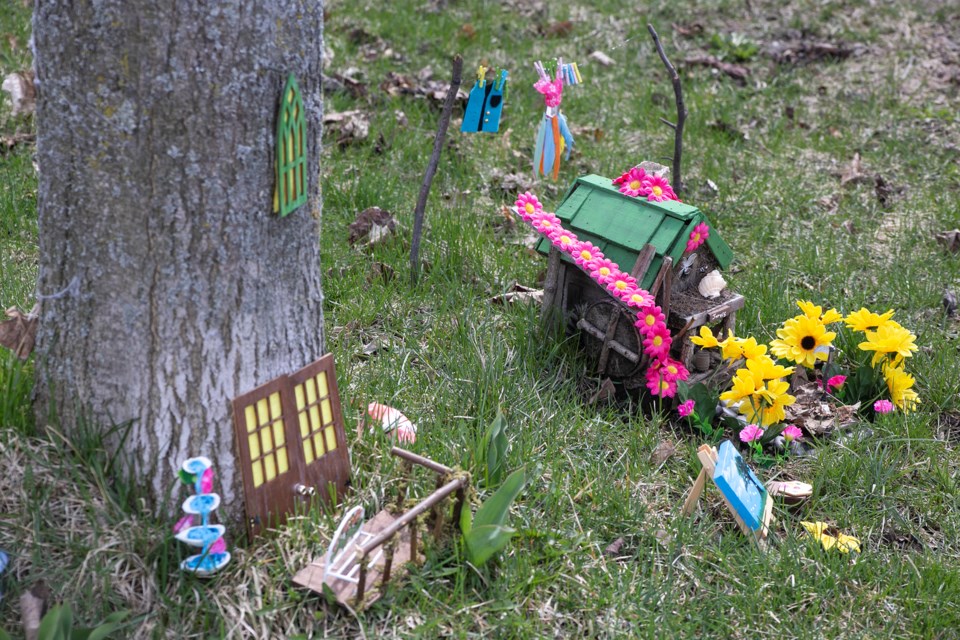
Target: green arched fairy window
291, 150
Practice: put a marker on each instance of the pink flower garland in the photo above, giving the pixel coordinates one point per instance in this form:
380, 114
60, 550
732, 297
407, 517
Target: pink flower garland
637, 183
698, 236
664, 372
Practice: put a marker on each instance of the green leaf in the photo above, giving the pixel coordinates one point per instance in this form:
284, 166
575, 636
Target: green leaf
113, 622
495, 445
466, 520
186, 478
56, 624
484, 541
4, 635
494, 510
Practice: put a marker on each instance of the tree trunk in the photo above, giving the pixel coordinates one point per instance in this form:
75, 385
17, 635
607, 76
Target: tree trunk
167, 284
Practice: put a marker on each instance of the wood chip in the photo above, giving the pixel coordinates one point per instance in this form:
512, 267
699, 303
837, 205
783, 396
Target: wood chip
613, 549
601, 58
663, 452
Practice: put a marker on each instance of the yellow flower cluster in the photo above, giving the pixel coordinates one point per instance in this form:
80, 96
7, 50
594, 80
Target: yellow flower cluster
804, 339
843, 542
890, 344
758, 390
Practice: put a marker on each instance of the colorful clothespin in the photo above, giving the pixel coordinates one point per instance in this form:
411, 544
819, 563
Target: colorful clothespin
485, 104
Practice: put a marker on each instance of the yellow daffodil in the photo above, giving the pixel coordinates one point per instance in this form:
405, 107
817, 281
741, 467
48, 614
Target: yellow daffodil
803, 340
890, 339
764, 367
815, 312
843, 542
759, 398
706, 339
866, 320
749, 349
900, 384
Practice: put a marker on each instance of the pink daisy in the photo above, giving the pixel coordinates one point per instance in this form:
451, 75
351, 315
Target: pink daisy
791, 432
673, 370
635, 183
604, 270
657, 342
648, 318
698, 236
686, 408
545, 222
563, 239
750, 433
836, 382
638, 298
659, 189
586, 254
527, 204
658, 384
620, 283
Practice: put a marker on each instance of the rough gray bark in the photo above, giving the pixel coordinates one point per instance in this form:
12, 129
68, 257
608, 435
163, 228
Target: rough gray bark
179, 288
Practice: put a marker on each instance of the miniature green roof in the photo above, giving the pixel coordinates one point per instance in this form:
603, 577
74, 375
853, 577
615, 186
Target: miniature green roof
620, 225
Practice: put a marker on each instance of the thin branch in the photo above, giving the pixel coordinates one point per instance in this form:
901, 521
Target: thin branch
668, 123
432, 168
681, 110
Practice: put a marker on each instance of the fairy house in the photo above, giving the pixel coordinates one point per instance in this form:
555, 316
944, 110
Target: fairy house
649, 240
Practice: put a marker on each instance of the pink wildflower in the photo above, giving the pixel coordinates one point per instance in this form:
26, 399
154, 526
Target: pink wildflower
657, 342
620, 283
883, 406
750, 433
604, 271
206, 481
791, 432
545, 222
527, 204
686, 408
648, 318
836, 382
660, 189
635, 183
586, 254
698, 236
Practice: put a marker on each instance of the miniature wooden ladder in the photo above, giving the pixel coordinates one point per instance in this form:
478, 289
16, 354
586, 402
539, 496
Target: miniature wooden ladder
708, 458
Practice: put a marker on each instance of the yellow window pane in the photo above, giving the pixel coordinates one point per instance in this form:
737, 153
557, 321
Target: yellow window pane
266, 440
254, 443
289, 96
275, 411
318, 444
304, 425
262, 416
278, 437
315, 423
307, 451
289, 146
271, 467
322, 381
250, 415
311, 391
289, 176
298, 392
257, 474
282, 464
331, 438
327, 413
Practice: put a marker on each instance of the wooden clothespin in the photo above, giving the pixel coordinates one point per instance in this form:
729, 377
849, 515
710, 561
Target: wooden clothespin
745, 496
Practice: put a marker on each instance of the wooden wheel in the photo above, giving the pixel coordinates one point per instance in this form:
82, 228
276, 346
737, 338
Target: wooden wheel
610, 338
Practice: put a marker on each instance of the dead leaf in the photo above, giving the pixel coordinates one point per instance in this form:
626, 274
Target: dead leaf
663, 537
511, 183
848, 226
949, 302
588, 131
854, 172
663, 451
796, 51
372, 223
559, 29
9, 142
380, 271
613, 549
336, 83
468, 31
605, 393
949, 240
352, 126
735, 71
519, 293
23, 94
20, 332
688, 31
884, 191
601, 58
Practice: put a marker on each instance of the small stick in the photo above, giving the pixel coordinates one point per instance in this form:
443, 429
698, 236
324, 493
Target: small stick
681, 111
432, 168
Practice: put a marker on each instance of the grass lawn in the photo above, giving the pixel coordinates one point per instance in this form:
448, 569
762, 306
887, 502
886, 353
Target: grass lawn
768, 159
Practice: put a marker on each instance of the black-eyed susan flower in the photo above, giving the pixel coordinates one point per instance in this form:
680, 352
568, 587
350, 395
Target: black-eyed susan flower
803, 339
